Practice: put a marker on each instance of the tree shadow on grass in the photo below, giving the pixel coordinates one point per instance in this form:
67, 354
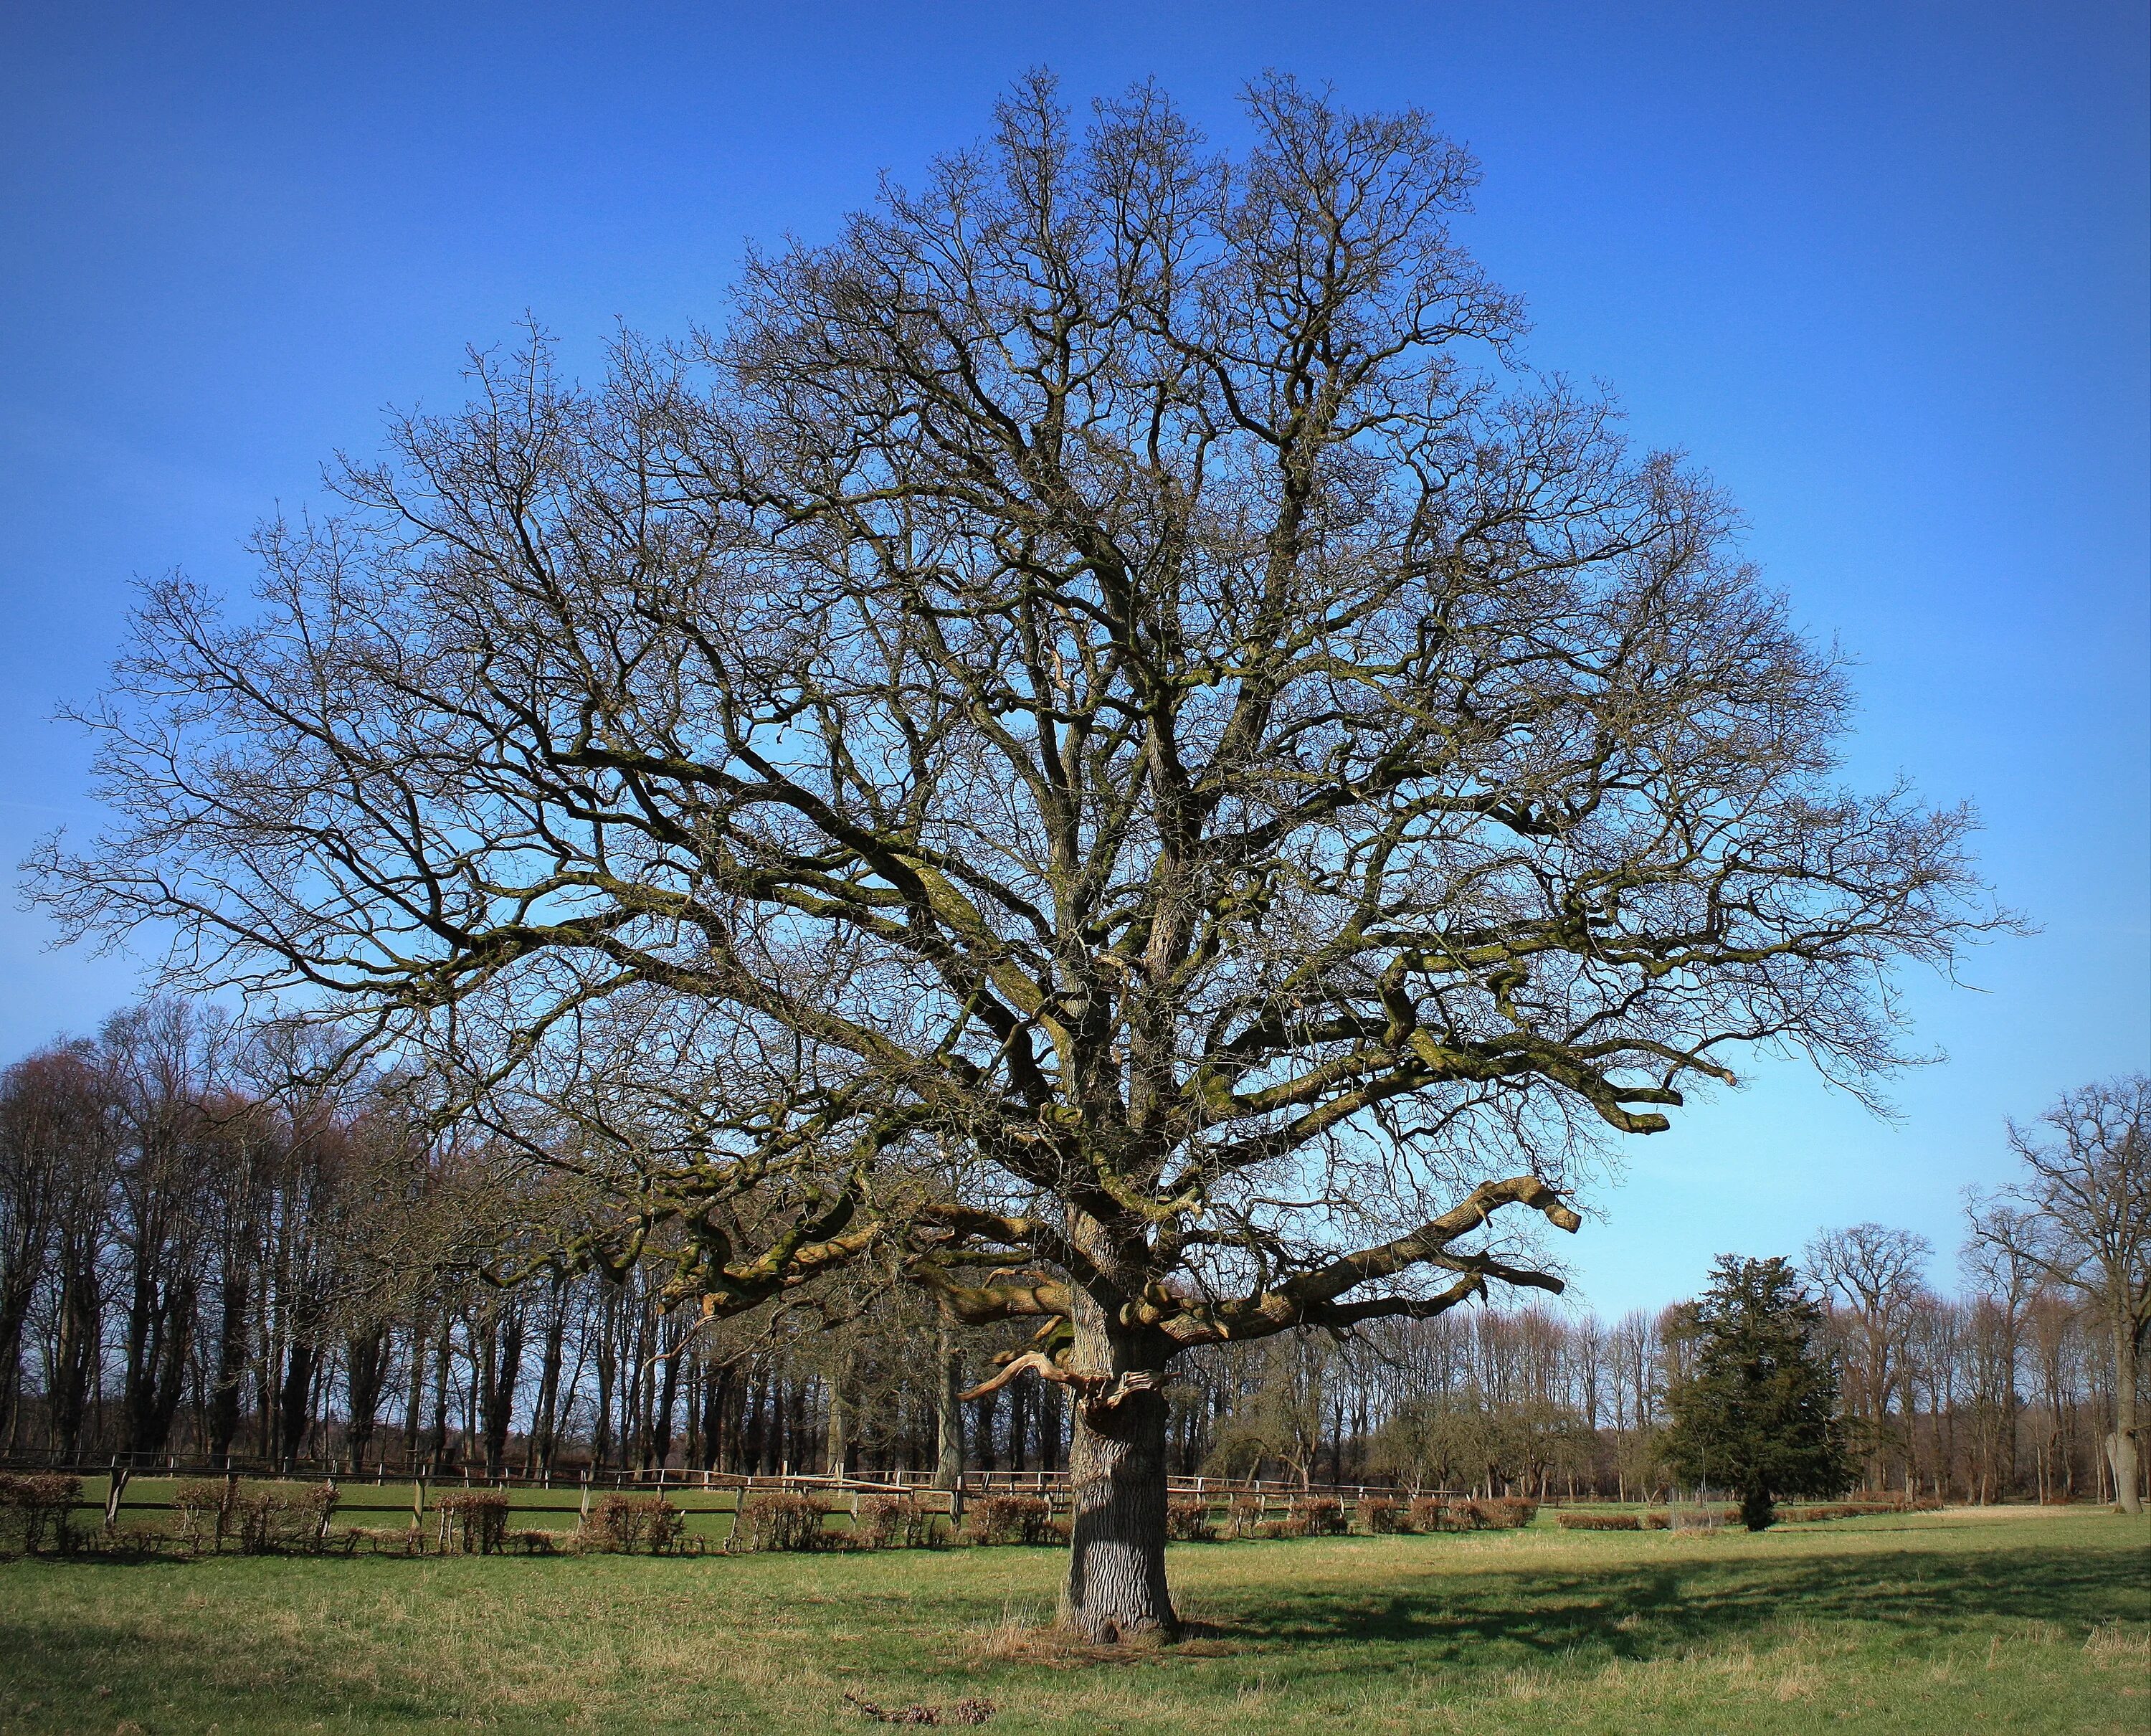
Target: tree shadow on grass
60, 1678
1634, 1612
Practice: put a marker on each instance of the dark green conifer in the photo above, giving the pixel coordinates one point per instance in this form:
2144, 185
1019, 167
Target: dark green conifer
1759, 1413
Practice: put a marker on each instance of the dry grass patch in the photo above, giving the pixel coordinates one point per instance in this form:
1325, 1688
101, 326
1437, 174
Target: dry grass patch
2118, 1645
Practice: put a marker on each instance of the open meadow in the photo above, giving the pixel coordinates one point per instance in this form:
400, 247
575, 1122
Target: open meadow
2017, 1620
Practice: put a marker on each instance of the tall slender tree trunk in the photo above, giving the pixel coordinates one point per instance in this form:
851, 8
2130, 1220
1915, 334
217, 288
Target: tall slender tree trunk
292, 1399
1116, 1588
668, 1396
436, 1449
415, 1400
501, 1372
15, 1298
68, 1387
366, 1372
1052, 1427
538, 1458
721, 1448
752, 1434
948, 1405
836, 1441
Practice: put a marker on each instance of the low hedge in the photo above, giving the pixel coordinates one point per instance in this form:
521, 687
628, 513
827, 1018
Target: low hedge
891, 1522
35, 1509
1187, 1520
475, 1518
1005, 1519
624, 1523
1601, 1521
1457, 1513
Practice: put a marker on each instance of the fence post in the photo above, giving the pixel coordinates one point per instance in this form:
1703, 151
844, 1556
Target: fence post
119, 1481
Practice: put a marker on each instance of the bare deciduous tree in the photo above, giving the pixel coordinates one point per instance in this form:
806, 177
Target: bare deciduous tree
55, 1144
2081, 1218
1098, 736
1875, 1276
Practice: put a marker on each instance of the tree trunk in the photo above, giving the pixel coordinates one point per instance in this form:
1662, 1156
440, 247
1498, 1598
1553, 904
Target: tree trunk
539, 1457
948, 1405
836, 1442
1116, 1588
366, 1365
291, 1400
2121, 1446
668, 1399
437, 1437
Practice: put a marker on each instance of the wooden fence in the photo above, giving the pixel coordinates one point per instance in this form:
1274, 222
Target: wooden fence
659, 1480
380, 1490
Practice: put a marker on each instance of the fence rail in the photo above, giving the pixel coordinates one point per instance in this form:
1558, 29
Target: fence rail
383, 1473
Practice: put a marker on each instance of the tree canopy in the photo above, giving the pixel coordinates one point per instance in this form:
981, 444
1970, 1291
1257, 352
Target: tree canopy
1102, 739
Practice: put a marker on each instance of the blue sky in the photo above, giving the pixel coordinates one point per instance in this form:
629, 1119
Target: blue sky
1885, 269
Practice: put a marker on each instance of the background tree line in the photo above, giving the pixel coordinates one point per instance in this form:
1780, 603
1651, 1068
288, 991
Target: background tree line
201, 1256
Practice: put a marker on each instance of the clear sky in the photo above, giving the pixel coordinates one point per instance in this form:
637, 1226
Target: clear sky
1884, 269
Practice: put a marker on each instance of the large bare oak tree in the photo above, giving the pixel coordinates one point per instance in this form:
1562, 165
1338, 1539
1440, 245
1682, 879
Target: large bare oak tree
1100, 742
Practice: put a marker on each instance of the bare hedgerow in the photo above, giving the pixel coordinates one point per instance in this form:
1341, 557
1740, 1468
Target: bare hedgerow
1187, 1520
623, 1522
475, 1518
37, 1506
1505, 1512
892, 1521
271, 1517
203, 1505
1022, 1519
1244, 1515
787, 1520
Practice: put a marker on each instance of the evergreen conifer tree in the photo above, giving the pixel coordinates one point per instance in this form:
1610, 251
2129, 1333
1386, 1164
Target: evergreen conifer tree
1759, 1413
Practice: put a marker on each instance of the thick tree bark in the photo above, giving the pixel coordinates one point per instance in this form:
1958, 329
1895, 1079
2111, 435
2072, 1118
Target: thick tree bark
1116, 1587
2122, 1454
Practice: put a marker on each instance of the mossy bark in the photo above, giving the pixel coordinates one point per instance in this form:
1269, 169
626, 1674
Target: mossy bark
1116, 1588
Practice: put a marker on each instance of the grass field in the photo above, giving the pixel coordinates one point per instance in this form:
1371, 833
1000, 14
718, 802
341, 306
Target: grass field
2017, 1620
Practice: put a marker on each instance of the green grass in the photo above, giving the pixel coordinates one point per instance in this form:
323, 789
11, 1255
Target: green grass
2019, 1621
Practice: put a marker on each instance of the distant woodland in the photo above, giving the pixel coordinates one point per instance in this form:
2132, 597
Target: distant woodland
200, 1258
